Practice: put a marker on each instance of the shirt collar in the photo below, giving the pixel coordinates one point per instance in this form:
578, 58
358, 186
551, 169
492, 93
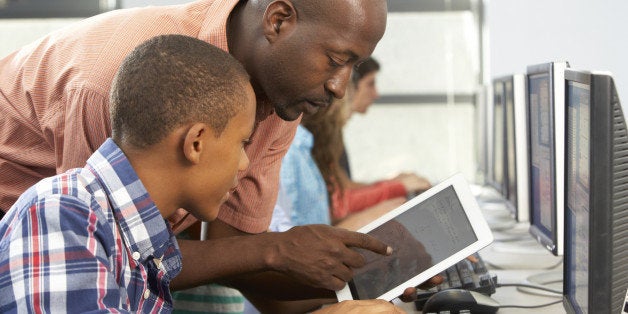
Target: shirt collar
143, 228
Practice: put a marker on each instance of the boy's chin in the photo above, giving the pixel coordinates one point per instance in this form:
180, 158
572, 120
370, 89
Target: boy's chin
208, 215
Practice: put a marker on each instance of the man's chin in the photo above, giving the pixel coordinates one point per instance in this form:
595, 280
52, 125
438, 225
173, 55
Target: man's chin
287, 115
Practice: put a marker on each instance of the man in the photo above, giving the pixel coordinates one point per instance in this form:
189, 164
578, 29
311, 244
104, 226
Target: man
299, 54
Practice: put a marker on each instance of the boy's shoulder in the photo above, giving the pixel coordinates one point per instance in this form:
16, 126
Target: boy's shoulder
54, 200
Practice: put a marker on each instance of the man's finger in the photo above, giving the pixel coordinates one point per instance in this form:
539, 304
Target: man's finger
336, 284
365, 241
354, 259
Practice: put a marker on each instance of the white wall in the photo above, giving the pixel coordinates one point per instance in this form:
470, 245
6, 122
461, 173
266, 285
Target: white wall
421, 53
15, 33
588, 34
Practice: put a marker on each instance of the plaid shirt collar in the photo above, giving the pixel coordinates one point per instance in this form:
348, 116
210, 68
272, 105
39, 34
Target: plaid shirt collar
143, 228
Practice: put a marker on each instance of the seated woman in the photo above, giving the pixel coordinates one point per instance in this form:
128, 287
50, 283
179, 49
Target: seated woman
313, 189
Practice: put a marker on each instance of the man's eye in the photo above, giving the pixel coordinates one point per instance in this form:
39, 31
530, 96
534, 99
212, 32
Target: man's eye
335, 62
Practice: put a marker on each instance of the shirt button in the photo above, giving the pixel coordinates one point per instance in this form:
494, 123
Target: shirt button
146, 294
136, 255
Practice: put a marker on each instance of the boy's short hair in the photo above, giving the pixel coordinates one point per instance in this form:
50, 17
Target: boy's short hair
169, 81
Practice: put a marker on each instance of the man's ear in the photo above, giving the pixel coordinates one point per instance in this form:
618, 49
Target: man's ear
195, 141
279, 18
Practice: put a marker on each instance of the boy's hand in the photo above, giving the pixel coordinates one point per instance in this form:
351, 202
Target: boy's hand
361, 306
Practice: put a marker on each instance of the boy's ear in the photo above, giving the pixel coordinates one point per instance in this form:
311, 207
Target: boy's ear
279, 18
195, 142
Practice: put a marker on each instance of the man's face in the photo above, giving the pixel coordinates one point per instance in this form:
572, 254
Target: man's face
311, 63
365, 93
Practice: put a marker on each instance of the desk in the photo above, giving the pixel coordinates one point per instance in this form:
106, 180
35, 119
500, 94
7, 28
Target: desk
513, 261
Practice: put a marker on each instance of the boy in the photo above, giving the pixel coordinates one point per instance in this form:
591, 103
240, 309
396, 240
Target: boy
96, 237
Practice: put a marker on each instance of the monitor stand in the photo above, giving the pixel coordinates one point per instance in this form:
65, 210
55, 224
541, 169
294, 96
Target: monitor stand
497, 215
485, 193
521, 246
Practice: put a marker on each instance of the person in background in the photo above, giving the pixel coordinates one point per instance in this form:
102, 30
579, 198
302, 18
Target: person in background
309, 172
361, 94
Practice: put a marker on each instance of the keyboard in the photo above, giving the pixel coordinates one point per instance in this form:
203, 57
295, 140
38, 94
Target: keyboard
463, 275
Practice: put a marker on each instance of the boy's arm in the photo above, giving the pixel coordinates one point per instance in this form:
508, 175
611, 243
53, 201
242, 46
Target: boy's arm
56, 262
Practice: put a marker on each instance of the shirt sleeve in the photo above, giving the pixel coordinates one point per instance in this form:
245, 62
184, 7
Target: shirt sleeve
358, 199
56, 262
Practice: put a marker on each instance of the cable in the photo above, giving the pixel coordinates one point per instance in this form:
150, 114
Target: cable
500, 267
556, 265
530, 306
528, 286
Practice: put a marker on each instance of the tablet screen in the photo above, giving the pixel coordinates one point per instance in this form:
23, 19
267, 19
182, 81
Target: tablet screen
421, 237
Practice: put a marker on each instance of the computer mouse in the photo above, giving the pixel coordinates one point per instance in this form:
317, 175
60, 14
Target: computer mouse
456, 300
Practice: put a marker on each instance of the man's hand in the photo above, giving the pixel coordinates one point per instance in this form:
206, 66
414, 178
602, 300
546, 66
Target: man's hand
321, 255
359, 307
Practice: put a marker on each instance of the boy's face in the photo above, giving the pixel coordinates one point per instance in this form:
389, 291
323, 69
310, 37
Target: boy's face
221, 161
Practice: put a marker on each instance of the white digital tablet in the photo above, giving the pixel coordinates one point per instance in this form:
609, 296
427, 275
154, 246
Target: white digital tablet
428, 234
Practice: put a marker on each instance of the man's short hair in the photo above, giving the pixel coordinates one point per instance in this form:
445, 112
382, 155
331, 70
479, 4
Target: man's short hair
172, 80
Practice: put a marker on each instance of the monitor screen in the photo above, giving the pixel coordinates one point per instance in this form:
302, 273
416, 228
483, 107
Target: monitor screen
511, 161
542, 154
577, 170
498, 166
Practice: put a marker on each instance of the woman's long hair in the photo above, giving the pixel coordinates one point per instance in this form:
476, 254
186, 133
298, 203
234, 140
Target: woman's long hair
326, 127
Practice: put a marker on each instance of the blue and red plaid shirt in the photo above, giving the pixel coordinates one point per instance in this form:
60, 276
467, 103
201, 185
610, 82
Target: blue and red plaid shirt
90, 239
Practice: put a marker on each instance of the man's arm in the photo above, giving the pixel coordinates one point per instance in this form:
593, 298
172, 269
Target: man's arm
301, 263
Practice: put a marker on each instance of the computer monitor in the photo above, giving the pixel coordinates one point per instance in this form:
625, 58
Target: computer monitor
481, 135
497, 162
546, 129
516, 147
595, 278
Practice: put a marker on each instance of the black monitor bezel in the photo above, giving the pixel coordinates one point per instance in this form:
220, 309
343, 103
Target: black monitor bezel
508, 176
492, 180
549, 241
600, 192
